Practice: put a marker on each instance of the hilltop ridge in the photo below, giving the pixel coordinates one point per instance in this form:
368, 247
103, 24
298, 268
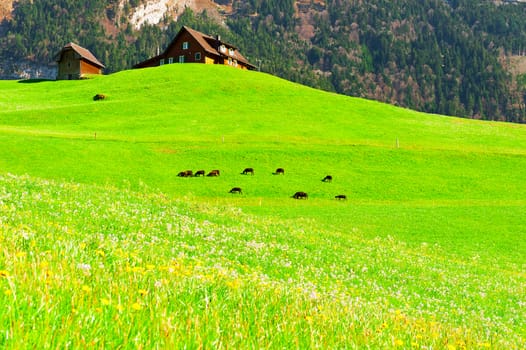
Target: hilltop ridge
434, 56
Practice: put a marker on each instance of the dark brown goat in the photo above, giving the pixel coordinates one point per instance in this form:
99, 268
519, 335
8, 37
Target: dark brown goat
236, 190
300, 195
341, 197
186, 173
199, 173
327, 178
280, 171
213, 173
248, 171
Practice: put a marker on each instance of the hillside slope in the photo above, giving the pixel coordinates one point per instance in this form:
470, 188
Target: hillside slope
103, 244
158, 122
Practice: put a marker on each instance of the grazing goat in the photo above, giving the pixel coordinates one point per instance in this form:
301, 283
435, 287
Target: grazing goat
99, 97
327, 178
213, 173
280, 171
341, 197
236, 190
186, 173
300, 195
200, 173
248, 171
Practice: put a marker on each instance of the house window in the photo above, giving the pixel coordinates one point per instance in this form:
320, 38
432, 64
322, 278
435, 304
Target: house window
161, 62
185, 45
230, 61
231, 52
181, 59
170, 60
198, 56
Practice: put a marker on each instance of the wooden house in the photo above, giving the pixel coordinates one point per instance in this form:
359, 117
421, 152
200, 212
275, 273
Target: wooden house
75, 62
191, 46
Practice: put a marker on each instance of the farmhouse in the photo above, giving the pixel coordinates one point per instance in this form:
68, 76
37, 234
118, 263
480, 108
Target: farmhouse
191, 46
75, 62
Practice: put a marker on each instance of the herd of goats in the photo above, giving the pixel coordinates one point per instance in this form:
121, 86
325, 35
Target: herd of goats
250, 171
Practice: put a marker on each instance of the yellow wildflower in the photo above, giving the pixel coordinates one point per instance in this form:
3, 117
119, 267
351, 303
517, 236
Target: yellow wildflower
105, 302
86, 289
136, 306
4, 273
398, 342
143, 292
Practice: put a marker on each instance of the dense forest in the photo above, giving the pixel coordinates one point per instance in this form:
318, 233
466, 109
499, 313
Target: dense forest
431, 55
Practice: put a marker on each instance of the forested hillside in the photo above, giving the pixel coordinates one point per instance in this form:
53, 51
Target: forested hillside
432, 55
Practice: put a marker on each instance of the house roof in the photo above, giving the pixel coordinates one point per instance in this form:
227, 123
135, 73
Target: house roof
83, 53
210, 44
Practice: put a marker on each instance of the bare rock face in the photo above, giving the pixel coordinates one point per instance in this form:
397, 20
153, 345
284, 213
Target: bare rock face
153, 11
6, 8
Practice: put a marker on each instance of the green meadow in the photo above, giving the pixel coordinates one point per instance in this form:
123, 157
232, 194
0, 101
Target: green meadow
102, 245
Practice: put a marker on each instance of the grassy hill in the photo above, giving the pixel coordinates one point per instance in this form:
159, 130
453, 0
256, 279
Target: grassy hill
427, 250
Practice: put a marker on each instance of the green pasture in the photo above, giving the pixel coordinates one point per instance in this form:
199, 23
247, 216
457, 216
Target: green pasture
429, 244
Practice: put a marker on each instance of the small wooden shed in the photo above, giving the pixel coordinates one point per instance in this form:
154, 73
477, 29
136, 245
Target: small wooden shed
75, 62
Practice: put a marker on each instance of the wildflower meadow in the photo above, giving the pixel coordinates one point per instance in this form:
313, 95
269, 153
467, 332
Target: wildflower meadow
100, 267
103, 246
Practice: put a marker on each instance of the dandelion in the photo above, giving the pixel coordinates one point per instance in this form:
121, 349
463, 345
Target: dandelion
86, 289
4, 273
398, 342
105, 302
143, 292
136, 306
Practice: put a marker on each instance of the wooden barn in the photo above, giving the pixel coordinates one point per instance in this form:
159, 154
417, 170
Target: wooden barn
75, 62
191, 46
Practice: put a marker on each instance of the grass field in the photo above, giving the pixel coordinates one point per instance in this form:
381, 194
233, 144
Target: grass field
102, 245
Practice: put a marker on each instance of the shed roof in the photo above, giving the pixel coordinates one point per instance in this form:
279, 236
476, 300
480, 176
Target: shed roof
83, 53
